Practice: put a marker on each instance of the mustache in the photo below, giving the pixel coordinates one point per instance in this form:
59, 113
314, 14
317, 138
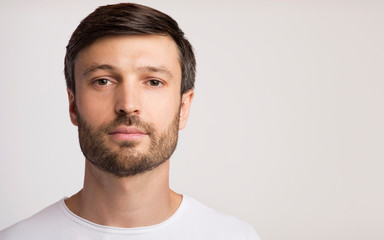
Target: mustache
129, 120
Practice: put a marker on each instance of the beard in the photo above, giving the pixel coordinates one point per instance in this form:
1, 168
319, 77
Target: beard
123, 159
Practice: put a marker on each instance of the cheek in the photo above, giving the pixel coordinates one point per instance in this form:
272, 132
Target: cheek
93, 109
161, 111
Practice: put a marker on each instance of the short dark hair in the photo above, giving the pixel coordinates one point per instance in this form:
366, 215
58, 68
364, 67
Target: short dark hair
129, 19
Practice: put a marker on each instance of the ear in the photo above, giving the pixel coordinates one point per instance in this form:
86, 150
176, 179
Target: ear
72, 107
186, 101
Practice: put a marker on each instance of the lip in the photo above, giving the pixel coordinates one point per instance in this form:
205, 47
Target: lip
127, 134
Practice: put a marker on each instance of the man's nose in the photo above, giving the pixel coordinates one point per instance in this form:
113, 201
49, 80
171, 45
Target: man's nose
128, 99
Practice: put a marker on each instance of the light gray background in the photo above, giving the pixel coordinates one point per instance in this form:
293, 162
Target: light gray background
286, 128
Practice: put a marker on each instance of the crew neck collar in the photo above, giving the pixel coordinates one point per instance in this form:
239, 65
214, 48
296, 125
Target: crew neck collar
108, 229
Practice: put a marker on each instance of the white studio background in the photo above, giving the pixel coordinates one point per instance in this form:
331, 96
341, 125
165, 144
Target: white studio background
286, 130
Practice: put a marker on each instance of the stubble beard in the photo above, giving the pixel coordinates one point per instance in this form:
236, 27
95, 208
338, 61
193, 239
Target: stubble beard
125, 160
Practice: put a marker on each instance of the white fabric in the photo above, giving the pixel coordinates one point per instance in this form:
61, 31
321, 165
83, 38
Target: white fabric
192, 220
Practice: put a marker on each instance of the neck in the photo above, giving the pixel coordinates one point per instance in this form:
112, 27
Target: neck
127, 202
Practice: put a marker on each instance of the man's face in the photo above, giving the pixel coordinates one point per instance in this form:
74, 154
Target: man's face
128, 106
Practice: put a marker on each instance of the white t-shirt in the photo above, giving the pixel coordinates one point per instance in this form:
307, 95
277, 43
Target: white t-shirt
192, 220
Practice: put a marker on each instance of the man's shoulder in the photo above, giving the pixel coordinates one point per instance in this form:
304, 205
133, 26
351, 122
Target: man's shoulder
212, 221
34, 225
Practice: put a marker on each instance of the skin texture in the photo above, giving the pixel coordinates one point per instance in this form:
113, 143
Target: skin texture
123, 160
138, 76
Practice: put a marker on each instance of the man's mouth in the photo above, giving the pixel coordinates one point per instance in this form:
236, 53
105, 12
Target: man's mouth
127, 134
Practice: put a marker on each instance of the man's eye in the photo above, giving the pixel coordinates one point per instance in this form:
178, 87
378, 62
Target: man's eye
102, 82
154, 83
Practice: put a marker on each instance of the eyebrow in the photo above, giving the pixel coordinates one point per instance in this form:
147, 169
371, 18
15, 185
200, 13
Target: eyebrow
95, 67
155, 69
145, 69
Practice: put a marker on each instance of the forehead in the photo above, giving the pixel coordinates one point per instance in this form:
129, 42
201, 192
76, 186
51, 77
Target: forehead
131, 52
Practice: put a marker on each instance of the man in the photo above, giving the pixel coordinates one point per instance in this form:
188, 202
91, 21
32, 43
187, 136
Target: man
130, 75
